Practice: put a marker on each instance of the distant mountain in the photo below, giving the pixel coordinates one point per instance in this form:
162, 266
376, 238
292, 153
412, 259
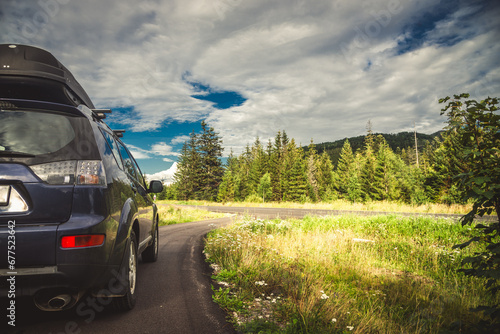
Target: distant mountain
396, 142
166, 176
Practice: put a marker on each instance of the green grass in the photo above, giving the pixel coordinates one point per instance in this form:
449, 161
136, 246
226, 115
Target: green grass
383, 274
381, 206
170, 214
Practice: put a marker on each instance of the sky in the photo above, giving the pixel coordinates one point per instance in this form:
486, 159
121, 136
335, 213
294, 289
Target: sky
318, 69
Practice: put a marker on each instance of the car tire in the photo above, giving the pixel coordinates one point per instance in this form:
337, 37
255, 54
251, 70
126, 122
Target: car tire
150, 254
127, 302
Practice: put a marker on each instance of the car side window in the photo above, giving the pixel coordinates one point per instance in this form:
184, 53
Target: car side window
114, 147
140, 177
128, 162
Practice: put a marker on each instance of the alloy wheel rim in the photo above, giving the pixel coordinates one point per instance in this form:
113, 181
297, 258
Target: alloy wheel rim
132, 268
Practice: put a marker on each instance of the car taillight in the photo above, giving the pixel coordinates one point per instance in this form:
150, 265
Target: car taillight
82, 172
79, 241
60, 172
90, 172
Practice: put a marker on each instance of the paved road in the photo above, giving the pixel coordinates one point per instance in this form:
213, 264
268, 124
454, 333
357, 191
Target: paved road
269, 213
174, 295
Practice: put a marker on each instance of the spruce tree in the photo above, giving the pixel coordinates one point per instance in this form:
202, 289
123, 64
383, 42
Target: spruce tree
345, 169
312, 172
245, 186
211, 170
276, 167
188, 166
227, 188
325, 177
264, 188
294, 180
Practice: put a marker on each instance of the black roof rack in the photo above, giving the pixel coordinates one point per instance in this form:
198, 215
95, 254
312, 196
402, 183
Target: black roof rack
119, 133
101, 113
31, 73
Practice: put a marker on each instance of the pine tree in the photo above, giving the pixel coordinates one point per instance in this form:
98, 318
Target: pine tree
211, 171
447, 162
325, 177
312, 172
345, 169
258, 164
264, 188
276, 167
294, 180
188, 166
227, 188
387, 172
244, 185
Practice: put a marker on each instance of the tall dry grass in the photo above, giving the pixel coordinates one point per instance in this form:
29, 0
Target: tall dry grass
384, 274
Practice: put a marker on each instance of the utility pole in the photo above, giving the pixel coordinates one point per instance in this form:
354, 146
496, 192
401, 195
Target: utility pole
416, 143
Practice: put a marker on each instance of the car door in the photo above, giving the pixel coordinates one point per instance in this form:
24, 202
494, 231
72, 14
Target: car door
141, 197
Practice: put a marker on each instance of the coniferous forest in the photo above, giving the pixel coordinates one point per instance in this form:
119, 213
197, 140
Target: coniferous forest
405, 167
281, 170
369, 168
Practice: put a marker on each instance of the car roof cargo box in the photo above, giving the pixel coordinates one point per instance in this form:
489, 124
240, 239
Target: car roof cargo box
31, 73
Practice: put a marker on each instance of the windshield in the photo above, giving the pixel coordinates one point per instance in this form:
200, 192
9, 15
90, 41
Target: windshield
36, 137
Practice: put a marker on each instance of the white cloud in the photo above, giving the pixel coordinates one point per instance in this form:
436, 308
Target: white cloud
158, 149
163, 149
166, 176
317, 69
179, 140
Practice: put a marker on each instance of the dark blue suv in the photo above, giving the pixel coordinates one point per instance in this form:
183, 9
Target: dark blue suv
75, 210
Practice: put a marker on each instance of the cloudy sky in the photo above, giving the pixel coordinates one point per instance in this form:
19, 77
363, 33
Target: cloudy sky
319, 69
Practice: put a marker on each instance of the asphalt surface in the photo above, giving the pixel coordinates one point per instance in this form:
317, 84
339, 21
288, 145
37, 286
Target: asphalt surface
270, 213
174, 295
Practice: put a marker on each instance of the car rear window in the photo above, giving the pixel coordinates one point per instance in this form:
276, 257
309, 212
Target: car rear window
34, 137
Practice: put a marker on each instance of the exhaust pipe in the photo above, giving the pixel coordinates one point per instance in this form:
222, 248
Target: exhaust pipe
59, 302
50, 300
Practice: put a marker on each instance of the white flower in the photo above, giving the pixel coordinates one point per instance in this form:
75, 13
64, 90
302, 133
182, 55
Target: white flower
350, 328
334, 320
261, 283
324, 296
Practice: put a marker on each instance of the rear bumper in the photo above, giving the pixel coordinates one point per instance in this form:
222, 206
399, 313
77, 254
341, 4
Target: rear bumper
68, 278
42, 264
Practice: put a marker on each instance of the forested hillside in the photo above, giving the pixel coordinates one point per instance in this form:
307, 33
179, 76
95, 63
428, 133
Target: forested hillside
365, 168
397, 142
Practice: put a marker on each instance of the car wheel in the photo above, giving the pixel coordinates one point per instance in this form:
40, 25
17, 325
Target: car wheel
150, 254
127, 302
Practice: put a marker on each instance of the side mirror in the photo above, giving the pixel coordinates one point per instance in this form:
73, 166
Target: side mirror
155, 187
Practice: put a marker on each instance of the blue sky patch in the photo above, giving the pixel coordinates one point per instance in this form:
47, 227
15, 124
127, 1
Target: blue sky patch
417, 32
171, 134
220, 99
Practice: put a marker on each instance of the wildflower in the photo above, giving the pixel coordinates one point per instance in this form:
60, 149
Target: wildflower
350, 328
334, 320
323, 295
261, 283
